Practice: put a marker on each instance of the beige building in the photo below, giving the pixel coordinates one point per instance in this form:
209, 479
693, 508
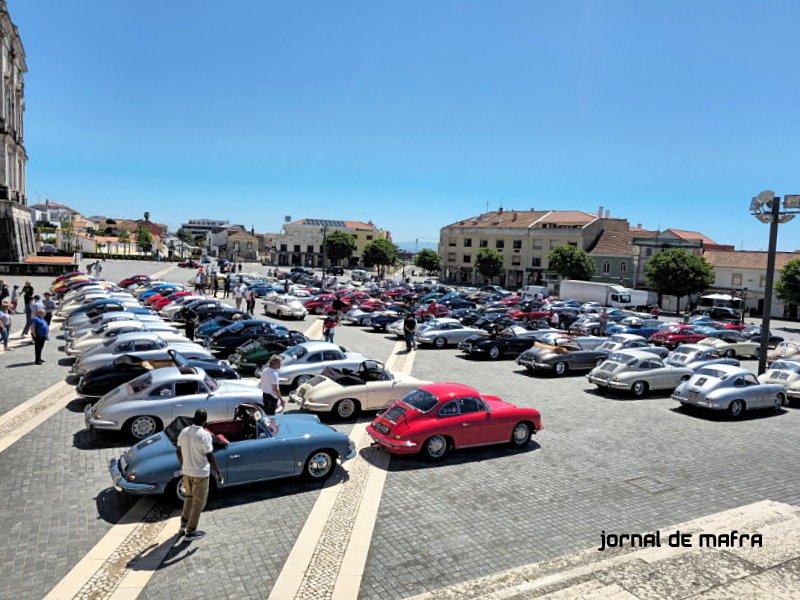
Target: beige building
523, 237
301, 241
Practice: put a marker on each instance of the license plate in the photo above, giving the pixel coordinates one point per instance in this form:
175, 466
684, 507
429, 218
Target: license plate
382, 428
692, 394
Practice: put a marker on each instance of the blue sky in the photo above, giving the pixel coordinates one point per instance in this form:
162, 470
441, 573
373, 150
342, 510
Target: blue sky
414, 114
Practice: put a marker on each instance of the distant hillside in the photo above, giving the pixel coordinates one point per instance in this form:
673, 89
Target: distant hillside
413, 246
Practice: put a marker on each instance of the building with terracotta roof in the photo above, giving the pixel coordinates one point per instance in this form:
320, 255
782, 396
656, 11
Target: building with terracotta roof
301, 241
524, 237
743, 273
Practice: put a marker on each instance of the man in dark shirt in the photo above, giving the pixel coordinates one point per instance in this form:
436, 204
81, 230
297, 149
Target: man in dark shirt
27, 298
409, 328
39, 333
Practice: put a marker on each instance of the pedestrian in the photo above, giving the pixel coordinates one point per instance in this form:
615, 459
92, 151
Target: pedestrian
603, 321
198, 282
240, 267
238, 295
14, 298
4, 293
37, 304
215, 284
27, 298
329, 328
286, 285
226, 286
5, 323
191, 322
49, 307
409, 329
270, 386
655, 312
250, 298
97, 269
338, 307
39, 332
196, 456
553, 319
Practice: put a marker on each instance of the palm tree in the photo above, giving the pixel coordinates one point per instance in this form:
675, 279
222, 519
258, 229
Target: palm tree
67, 231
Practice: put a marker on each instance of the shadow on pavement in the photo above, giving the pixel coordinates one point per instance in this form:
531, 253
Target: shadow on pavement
67, 361
413, 462
721, 415
78, 404
16, 365
89, 439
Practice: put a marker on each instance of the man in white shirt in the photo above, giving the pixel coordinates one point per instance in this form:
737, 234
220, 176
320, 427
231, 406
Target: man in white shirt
270, 386
195, 455
238, 294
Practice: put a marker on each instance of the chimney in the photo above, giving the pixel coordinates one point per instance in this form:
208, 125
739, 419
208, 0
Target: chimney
600, 212
532, 209
513, 217
638, 225
608, 212
500, 211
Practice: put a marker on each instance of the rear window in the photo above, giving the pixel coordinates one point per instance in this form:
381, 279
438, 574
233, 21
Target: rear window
711, 372
421, 400
786, 365
624, 359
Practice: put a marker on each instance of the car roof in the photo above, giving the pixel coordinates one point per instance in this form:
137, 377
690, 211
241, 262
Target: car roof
166, 374
627, 336
695, 347
138, 335
639, 354
319, 345
448, 391
730, 369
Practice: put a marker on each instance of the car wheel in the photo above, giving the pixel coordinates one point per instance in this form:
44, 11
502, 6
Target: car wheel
347, 408
730, 353
780, 400
319, 465
301, 379
520, 435
175, 492
494, 353
560, 368
736, 408
143, 426
639, 388
595, 331
436, 448
440, 342
529, 369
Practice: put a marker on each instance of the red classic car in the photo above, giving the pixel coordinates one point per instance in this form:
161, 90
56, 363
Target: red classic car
164, 300
134, 279
190, 264
438, 417
432, 310
675, 335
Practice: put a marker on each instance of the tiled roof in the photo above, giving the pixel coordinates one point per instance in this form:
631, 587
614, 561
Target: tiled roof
335, 224
526, 218
614, 243
747, 259
360, 225
690, 235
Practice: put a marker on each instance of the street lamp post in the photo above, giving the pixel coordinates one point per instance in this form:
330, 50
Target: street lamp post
766, 207
324, 252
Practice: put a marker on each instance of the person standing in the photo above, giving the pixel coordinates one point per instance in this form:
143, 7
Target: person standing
215, 283
5, 323
226, 288
409, 329
553, 318
655, 312
37, 305
251, 300
4, 293
49, 306
270, 386
329, 328
39, 332
603, 321
196, 457
191, 323
238, 295
27, 298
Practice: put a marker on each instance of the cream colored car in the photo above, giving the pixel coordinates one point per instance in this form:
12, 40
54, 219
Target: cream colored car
733, 345
346, 392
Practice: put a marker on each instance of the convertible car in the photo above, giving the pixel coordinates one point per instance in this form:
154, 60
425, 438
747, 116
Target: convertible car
100, 381
303, 361
439, 417
729, 388
562, 355
732, 343
249, 447
255, 353
143, 406
637, 371
508, 343
346, 392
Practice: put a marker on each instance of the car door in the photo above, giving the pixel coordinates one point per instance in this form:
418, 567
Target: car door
265, 457
379, 390
752, 392
479, 426
448, 422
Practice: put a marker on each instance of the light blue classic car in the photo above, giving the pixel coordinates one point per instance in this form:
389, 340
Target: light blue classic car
729, 388
249, 448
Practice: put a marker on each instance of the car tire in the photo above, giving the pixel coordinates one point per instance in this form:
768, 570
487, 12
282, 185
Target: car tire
436, 448
736, 408
639, 388
780, 401
560, 368
319, 465
174, 492
301, 379
142, 426
347, 408
440, 342
520, 435
494, 353
596, 331
530, 369
730, 353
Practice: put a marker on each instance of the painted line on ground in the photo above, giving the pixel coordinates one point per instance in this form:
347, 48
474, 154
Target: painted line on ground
24, 418
329, 555
161, 273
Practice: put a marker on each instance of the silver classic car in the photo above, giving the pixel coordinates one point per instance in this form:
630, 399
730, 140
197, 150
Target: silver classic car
729, 388
785, 372
637, 371
696, 356
448, 333
630, 341
304, 361
144, 405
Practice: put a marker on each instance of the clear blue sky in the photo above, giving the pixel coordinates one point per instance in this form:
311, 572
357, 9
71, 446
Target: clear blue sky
414, 114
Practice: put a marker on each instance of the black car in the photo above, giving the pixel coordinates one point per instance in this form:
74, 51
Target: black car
255, 353
224, 313
200, 307
494, 320
336, 270
380, 322
505, 345
97, 383
719, 313
457, 303
226, 340
466, 315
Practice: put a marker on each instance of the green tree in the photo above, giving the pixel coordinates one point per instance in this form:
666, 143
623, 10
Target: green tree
380, 253
571, 262
428, 260
185, 236
677, 273
68, 232
787, 288
124, 238
339, 245
489, 263
144, 238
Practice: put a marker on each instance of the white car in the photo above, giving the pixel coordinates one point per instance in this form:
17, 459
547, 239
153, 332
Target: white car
111, 317
285, 307
785, 372
346, 392
303, 361
94, 337
446, 334
637, 371
734, 344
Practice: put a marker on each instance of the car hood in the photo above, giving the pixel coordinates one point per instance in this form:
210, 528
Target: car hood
298, 425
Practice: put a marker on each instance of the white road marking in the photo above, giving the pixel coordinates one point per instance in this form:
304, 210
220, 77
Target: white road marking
24, 418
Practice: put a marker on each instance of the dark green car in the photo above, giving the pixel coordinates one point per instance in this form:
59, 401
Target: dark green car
255, 353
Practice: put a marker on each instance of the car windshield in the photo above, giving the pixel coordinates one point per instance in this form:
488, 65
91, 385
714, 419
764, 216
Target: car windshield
422, 400
109, 341
786, 365
295, 353
624, 359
